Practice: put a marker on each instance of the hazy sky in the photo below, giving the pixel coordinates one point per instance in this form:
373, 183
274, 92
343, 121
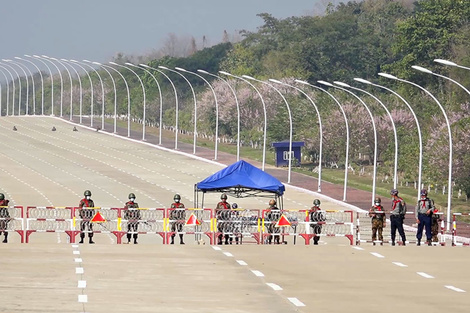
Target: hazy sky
98, 29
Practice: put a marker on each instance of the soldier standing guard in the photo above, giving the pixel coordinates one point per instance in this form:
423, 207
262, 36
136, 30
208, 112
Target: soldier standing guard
397, 215
423, 214
436, 220
86, 215
378, 220
178, 215
4, 217
316, 215
273, 215
132, 215
221, 211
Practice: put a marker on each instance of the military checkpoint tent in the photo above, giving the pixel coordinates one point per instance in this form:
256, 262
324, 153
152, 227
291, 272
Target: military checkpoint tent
241, 179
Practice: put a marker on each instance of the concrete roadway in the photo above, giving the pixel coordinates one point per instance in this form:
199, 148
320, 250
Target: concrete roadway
40, 167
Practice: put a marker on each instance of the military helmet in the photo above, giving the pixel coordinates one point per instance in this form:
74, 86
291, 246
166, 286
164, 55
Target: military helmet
272, 202
223, 196
2, 196
394, 192
234, 206
424, 192
177, 197
87, 193
131, 196
377, 200
316, 202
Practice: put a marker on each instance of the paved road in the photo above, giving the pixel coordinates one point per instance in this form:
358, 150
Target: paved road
41, 167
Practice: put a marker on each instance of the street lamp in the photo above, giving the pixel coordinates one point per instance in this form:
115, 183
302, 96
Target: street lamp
374, 128
69, 63
425, 70
176, 100
8, 94
71, 85
23, 67
52, 82
290, 121
216, 108
319, 123
61, 80
264, 111
449, 196
347, 132
395, 179
19, 92
238, 108
102, 95
42, 84
8, 90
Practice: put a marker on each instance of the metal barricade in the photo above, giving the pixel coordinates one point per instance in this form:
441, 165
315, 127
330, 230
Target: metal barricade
458, 240
238, 224
334, 223
84, 221
194, 221
49, 220
140, 221
11, 220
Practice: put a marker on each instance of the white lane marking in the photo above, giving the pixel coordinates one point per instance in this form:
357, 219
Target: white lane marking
455, 289
81, 284
274, 286
216, 248
400, 264
78, 260
358, 248
257, 273
242, 262
377, 255
76, 252
296, 302
79, 270
82, 298
424, 275
74, 246
228, 254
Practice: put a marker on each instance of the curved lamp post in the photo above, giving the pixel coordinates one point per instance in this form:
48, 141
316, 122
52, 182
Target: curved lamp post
290, 122
102, 95
42, 85
69, 63
449, 196
347, 132
238, 108
52, 82
375, 133
71, 84
91, 86
8, 93
22, 68
13, 89
176, 113
19, 92
45, 58
264, 111
395, 170
319, 123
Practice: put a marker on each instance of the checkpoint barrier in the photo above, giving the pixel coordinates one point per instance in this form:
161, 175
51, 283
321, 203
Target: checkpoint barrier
11, 220
457, 240
237, 223
140, 221
50, 220
190, 221
330, 223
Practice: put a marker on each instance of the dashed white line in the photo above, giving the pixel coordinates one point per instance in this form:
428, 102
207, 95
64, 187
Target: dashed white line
82, 298
81, 284
79, 270
75, 246
377, 255
400, 264
274, 286
243, 263
424, 275
455, 289
228, 254
296, 302
78, 260
216, 248
76, 252
358, 248
257, 273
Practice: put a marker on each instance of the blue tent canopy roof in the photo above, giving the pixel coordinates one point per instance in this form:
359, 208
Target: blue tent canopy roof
242, 179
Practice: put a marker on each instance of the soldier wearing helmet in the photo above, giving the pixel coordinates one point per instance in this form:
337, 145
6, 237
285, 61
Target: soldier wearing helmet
436, 220
317, 217
222, 213
273, 214
235, 223
397, 215
86, 215
423, 215
178, 217
132, 215
4, 217
377, 215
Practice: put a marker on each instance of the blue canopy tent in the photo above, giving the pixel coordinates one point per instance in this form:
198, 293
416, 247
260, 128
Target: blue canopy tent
241, 180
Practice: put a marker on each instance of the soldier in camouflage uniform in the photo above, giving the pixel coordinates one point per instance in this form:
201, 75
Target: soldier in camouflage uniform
132, 215
377, 215
178, 217
4, 217
86, 215
273, 215
435, 228
316, 215
222, 212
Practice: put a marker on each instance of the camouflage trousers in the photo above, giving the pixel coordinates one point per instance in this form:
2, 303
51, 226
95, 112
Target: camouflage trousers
377, 227
435, 230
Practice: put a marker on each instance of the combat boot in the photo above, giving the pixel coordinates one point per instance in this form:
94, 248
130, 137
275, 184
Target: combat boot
5, 240
429, 243
135, 241
181, 239
81, 239
91, 241
419, 243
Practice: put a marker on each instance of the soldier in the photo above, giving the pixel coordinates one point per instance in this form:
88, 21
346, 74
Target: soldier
377, 215
235, 222
423, 214
86, 215
316, 215
436, 220
178, 215
273, 215
4, 217
222, 218
397, 215
132, 215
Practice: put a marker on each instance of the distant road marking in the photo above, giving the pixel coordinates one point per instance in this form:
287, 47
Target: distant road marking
241, 262
74, 246
455, 289
257, 273
79, 270
78, 260
400, 264
358, 248
296, 301
76, 252
82, 298
274, 286
377, 255
81, 284
216, 248
228, 254
424, 275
